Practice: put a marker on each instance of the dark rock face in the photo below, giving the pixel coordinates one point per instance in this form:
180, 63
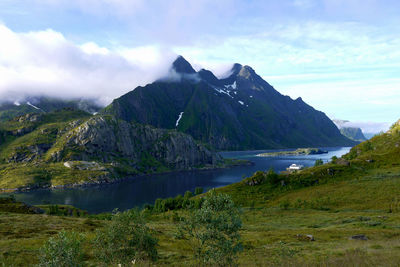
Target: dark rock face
29, 153
239, 112
107, 139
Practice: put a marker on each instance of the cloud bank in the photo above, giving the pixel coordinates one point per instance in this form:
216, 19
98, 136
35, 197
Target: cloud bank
46, 63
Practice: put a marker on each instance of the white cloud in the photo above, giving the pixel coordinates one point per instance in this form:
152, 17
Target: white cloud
46, 63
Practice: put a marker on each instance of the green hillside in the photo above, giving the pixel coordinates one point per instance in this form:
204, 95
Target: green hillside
71, 147
353, 196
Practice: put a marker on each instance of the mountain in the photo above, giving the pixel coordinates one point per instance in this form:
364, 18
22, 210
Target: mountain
241, 111
382, 150
74, 147
353, 133
9, 110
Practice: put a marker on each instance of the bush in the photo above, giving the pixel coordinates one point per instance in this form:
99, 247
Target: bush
334, 159
213, 231
318, 162
198, 190
272, 177
285, 204
188, 194
64, 250
124, 239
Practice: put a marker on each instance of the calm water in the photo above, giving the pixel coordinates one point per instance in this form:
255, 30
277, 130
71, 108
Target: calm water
140, 190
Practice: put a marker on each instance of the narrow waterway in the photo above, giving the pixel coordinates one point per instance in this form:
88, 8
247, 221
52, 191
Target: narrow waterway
137, 191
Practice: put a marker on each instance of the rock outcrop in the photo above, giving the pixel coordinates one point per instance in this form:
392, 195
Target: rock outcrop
107, 139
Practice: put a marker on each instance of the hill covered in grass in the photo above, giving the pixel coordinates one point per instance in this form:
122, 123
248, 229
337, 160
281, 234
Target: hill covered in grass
72, 147
350, 207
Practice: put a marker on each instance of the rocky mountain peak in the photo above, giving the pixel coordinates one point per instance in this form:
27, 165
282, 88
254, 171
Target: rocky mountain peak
246, 72
181, 65
236, 68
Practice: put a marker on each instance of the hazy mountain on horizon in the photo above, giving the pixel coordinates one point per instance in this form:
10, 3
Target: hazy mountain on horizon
351, 132
42, 104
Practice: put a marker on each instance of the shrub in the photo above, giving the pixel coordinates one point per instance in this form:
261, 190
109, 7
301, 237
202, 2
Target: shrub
272, 177
318, 162
188, 194
124, 239
64, 250
198, 190
334, 159
213, 231
285, 204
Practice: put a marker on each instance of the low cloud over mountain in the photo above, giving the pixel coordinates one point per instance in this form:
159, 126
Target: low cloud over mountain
47, 63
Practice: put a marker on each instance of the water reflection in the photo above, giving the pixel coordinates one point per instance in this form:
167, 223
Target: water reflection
140, 190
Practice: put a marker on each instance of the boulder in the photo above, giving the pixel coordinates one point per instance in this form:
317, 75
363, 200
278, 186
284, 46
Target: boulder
307, 237
358, 237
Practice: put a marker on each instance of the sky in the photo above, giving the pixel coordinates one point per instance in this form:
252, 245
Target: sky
341, 56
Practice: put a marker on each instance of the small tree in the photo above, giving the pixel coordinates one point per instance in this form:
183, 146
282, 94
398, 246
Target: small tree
213, 231
318, 162
64, 250
198, 190
124, 239
272, 177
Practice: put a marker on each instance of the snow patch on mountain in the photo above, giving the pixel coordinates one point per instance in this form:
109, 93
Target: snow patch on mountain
233, 85
179, 118
222, 91
35, 107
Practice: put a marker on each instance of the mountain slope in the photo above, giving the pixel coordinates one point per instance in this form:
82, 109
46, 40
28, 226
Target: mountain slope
239, 112
9, 110
73, 147
353, 133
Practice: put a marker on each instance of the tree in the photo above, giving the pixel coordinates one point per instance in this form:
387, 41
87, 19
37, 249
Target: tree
198, 190
64, 250
213, 231
124, 239
272, 177
318, 162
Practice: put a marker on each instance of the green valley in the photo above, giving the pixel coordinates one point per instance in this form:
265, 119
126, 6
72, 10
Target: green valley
350, 207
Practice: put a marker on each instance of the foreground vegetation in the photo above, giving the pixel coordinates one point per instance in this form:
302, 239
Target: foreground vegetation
344, 213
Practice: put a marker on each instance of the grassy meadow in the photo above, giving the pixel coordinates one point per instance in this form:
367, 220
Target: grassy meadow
358, 194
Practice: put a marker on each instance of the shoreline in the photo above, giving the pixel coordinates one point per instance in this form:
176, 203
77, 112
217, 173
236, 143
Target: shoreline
25, 189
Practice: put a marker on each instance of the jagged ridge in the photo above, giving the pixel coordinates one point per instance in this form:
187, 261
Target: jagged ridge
241, 111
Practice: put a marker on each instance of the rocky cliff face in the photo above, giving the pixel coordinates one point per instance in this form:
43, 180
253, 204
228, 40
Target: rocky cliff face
107, 139
70, 148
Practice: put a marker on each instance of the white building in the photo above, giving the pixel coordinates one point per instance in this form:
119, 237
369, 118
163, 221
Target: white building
295, 167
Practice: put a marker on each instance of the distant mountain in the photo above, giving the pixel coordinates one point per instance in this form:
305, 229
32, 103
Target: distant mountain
353, 133
241, 111
9, 110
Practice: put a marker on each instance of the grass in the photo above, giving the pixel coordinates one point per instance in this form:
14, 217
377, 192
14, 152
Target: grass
332, 202
331, 212
44, 174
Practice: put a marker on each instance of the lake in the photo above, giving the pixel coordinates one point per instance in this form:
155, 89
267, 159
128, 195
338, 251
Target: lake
137, 191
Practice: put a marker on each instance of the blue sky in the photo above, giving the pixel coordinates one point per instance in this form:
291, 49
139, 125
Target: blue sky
341, 56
